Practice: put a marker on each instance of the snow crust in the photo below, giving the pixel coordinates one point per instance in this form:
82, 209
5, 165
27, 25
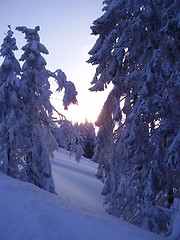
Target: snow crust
76, 213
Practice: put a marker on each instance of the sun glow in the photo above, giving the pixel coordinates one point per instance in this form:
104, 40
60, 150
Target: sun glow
89, 103
88, 108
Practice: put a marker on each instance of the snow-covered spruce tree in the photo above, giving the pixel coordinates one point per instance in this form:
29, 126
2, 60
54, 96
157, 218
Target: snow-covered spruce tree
76, 138
138, 51
26, 142
35, 92
63, 134
69, 137
10, 107
106, 138
89, 138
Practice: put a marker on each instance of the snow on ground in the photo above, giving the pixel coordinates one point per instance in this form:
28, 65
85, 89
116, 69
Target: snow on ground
77, 184
76, 213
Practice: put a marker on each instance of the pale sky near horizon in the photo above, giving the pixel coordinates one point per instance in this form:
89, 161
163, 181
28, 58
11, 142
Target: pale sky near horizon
65, 31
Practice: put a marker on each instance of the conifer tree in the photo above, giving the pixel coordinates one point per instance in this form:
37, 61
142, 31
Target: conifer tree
26, 141
89, 138
10, 110
35, 92
138, 51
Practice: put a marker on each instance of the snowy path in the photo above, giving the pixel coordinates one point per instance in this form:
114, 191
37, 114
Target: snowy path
77, 185
27, 212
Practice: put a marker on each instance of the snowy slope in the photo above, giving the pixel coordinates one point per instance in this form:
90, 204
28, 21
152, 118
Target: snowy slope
27, 212
76, 183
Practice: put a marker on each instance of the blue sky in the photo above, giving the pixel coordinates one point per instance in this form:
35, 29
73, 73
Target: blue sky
65, 31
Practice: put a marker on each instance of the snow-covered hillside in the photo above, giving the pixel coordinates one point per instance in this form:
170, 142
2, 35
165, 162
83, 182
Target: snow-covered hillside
76, 183
76, 213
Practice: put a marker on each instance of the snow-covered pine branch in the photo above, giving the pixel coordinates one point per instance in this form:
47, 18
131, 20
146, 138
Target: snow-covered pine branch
70, 92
